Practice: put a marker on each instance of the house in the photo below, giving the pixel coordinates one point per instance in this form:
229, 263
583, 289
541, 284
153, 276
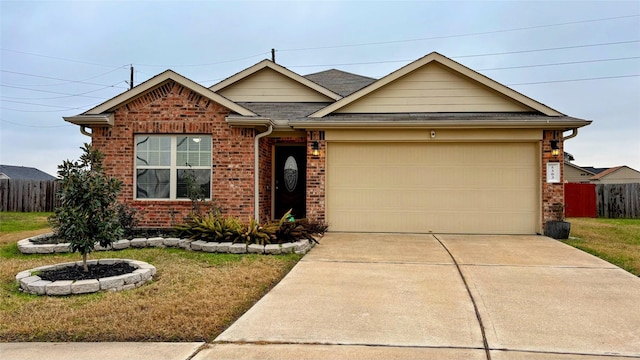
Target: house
432, 147
617, 175
576, 174
23, 172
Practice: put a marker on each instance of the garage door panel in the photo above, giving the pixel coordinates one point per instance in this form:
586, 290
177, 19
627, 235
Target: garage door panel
439, 187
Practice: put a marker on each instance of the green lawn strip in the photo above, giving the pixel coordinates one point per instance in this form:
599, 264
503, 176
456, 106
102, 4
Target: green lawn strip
614, 240
23, 221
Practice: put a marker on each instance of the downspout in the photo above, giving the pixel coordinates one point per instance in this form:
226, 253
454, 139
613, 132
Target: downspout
256, 171
574, 133
84, 131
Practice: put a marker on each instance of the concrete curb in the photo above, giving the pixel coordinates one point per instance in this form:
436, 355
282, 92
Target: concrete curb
31, 283
26, 246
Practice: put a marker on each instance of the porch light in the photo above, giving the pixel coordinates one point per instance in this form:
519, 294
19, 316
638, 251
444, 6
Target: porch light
315, 147
555, 150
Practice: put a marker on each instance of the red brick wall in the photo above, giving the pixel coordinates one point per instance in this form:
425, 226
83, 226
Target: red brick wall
174, 109
316, 176
551, 193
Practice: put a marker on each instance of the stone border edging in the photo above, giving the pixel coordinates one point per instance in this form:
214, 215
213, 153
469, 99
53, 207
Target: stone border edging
299, 247
31, 283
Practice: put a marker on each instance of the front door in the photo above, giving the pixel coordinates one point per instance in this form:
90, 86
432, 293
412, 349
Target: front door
290, 181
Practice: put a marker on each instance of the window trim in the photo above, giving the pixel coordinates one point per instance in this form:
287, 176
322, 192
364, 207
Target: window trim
173, 167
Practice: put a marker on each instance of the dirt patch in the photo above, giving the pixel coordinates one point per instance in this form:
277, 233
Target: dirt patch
97, 271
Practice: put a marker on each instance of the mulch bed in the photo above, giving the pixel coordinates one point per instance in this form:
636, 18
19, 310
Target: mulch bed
97, 271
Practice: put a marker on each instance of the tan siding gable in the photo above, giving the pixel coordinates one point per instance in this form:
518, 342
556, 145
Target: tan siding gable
268, 85
621, 176
433, 88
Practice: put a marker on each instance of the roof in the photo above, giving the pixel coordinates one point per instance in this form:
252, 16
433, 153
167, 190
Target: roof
593, 169
604, 173
341, 82
579, 168
448, 63
23, 172
283, 111
280, 69
99, 115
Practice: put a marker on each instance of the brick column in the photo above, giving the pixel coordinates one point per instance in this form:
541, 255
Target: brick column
316, 176
551, 193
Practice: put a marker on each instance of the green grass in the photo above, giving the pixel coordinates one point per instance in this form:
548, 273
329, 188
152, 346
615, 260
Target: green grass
194, 296
614, 240
23, 221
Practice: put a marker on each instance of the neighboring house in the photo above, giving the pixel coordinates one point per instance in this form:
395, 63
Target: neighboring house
617, 175
432, 147
576, 174
22, 172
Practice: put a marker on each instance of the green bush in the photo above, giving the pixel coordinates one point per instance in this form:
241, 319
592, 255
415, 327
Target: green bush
216, 228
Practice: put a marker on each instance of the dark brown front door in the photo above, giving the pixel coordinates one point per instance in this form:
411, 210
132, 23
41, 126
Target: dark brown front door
291, 181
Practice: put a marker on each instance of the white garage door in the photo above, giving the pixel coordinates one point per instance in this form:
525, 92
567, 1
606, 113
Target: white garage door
475, 188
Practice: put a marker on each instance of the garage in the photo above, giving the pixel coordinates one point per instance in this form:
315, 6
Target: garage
438, 187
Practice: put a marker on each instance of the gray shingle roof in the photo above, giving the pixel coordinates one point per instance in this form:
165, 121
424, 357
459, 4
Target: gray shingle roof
340, 82
283, 110
22, 172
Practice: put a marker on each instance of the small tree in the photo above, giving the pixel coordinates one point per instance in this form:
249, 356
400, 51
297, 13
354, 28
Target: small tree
88, 212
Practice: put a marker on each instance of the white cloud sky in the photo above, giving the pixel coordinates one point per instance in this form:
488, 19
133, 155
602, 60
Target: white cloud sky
60, 58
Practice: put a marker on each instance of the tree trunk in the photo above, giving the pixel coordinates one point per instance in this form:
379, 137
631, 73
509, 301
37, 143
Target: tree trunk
84, 263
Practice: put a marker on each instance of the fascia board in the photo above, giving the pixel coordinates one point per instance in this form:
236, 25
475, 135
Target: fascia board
106, 119
159, 79
466, 124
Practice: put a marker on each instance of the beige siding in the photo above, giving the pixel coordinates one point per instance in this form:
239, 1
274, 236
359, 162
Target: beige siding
268, 85
433, 187
573, 175
624, 175
433, 88
440, 135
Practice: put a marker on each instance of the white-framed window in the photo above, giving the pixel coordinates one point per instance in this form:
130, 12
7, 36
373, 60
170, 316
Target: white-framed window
167, 164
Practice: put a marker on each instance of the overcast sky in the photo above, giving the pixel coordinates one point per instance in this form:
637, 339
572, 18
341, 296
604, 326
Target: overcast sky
60, 58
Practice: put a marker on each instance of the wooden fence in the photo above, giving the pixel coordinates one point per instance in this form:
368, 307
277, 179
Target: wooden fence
618, 200
27, 195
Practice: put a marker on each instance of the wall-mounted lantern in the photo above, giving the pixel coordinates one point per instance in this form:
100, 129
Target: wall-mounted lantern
555, 150
315, 149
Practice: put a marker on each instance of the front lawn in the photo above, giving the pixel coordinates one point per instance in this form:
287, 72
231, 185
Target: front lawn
614, 240
194, 297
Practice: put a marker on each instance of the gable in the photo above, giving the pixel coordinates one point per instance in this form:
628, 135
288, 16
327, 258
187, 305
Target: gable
621, 174
268, 85
422, 86
434, 88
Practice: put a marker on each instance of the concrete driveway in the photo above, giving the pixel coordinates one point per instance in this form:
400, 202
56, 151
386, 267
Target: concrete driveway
381, 296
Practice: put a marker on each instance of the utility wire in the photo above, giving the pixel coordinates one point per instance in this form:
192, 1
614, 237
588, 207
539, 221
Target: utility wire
66, 95
460, 35
35, 126
64, 81
474, 55
571, 80
56, 58
59, 79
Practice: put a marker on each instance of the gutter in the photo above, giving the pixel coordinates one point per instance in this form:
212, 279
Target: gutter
464, 124
574, 133
256, 172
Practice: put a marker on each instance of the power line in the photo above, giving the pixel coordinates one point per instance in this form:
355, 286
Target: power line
561, 63
64, 80
56, 58
35, 126
572, 80
206, 64
474, 55
66, 95
54, 78
461, 35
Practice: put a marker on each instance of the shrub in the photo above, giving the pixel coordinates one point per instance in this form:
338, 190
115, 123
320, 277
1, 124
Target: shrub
216, 228
128, 219
87, 213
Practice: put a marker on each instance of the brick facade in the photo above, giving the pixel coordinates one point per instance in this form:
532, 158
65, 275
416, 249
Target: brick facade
551, 193
173, 109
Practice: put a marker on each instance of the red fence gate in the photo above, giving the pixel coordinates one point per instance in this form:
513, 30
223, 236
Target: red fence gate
580, 200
